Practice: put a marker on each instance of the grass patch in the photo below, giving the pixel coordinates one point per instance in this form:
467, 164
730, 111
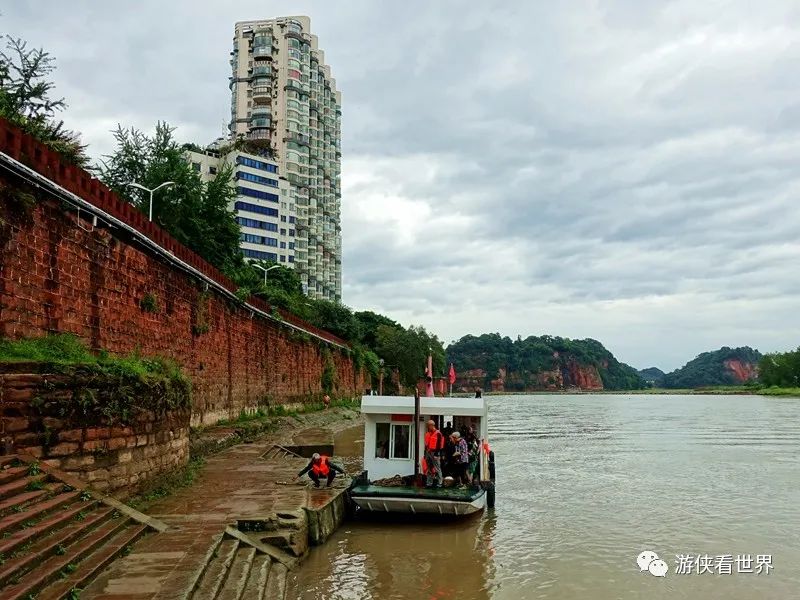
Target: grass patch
68, 350
104, 386
779, 391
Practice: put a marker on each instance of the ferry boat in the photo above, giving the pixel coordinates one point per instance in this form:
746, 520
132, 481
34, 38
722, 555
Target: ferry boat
394, 450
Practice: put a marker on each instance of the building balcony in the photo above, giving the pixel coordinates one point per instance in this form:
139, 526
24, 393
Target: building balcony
262, 51
259, 134
261, 71
294, 136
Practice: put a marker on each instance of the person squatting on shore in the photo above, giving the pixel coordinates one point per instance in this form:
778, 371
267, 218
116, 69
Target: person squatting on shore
320, 466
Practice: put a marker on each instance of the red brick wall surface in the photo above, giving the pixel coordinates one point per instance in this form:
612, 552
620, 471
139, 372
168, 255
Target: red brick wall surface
60, 274
113, 457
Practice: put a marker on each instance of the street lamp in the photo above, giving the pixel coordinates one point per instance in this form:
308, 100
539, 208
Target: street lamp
155, 189
380, 378
267, 270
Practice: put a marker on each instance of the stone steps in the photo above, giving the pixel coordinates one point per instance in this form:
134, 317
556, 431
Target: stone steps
277, 451
239, 571
54, 536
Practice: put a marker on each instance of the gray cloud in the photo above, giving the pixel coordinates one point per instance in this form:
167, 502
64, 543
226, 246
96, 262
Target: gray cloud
623, 170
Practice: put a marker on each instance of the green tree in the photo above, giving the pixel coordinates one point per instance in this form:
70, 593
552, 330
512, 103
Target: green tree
407, 351
195, 212
780, 369
25, 99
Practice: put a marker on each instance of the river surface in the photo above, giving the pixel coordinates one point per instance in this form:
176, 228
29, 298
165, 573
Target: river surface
584, 484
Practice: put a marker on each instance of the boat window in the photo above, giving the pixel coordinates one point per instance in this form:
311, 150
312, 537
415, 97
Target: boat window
400, 447
382, 440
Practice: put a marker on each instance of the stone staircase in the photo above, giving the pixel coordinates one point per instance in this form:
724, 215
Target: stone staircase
277, 451
55, 536
241, 569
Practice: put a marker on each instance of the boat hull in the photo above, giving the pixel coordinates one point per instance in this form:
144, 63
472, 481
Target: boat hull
385, 501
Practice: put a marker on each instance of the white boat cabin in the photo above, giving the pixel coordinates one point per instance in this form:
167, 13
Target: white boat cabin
388, 428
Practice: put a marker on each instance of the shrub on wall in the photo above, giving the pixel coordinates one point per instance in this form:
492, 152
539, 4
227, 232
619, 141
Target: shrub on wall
329, 374
95, 389
149, 303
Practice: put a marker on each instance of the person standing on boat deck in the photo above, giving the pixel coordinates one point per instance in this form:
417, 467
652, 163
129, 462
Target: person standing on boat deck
474, 447
460, 458
321, 466
434, 445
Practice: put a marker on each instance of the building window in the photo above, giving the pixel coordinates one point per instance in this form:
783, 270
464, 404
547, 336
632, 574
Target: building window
283, 231
263, 210
271, 241
260, 255
283, 245
392, 440
196, 167
283, 258
256, 164
244, 191
257, 224
291, 259
291, 245
292, 219
382, 440
283, 218
253, 239
256, 178
291, 232
400, 441
212, 170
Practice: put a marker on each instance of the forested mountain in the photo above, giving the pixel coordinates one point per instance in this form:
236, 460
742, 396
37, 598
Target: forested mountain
652, 376
497, 363
726, 366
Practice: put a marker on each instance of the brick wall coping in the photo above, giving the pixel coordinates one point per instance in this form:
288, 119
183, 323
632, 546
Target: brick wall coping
35, 162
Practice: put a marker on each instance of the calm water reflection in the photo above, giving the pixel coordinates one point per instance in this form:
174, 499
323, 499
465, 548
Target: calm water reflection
584, 484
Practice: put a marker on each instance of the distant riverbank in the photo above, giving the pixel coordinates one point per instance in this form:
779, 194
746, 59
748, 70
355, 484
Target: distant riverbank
708, 391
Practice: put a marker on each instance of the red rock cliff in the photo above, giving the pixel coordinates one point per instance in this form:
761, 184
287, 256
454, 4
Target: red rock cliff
742, 371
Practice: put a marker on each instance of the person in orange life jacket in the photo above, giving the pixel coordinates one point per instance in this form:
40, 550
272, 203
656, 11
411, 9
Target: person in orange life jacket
321, 466
434, 446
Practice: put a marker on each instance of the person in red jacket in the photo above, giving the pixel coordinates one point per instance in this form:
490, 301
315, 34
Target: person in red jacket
321, 466
434, 446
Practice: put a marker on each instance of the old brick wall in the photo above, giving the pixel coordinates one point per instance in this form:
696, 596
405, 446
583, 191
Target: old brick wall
59, 273
111, 456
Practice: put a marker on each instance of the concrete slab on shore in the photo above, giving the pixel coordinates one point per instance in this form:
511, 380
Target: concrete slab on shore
236, 486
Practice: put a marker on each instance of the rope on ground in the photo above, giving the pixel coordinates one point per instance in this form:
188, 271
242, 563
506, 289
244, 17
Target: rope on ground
396, 481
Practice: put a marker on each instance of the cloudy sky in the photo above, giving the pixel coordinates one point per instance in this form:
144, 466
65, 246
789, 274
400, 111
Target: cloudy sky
622, 170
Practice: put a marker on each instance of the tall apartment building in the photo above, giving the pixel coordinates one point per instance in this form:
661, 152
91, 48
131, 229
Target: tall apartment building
284, 99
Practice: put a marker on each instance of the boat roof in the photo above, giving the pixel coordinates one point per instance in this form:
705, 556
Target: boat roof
404, 405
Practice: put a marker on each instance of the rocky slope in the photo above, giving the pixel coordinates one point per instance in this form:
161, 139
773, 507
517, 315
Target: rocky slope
726, 366
499, 364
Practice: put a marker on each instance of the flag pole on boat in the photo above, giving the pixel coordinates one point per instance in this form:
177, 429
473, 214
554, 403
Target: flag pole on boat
416, 434
452, 378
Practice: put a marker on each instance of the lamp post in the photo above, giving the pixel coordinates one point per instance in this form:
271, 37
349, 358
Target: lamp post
267, 270
155, 189
380, 378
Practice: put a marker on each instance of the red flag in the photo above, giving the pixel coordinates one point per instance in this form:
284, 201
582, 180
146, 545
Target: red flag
452, 374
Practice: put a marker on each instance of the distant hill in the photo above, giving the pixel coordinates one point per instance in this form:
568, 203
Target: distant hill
652, 376
726, 366
536, 363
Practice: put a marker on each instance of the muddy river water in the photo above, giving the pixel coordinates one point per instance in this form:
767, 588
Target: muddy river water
585, 484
